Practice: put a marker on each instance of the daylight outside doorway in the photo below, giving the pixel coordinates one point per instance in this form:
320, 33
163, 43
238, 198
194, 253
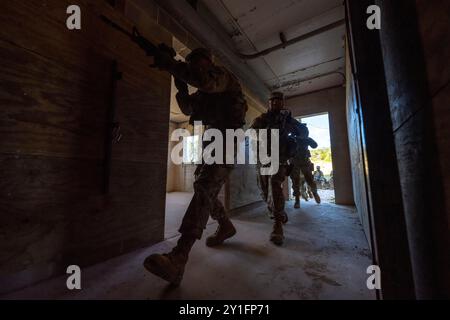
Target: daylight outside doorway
321, 157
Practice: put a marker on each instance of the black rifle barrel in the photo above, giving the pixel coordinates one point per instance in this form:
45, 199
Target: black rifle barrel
116, 26
149, 48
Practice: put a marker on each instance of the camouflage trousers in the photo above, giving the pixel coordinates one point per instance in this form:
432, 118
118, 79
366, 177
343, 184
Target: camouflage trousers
305, 189
304, 168
209, 180
272, 190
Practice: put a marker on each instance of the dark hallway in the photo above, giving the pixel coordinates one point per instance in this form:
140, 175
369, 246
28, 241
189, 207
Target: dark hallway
104, 166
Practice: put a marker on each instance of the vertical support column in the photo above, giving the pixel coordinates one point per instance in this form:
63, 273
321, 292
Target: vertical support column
389, 233
415, 143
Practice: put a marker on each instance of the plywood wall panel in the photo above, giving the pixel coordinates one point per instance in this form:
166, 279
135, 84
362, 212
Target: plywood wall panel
54, 95
51, 109
75, 213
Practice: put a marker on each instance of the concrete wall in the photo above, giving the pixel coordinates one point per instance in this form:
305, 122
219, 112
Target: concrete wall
55, 93
433, 26
356, 149
332, 101
242, 188
434, 21
416, 50
179, 177
173, 171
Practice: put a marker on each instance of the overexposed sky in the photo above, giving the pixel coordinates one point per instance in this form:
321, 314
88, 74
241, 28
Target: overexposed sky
319, 129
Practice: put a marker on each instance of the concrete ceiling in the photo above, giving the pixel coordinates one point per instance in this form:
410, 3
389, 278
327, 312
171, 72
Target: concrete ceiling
253, 25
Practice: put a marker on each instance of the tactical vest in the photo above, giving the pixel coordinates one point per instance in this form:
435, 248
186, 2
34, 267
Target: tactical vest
287, 142
224, 110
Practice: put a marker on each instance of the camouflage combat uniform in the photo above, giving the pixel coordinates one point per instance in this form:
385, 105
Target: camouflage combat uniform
305, 189
220, 104
301, 163
272, 185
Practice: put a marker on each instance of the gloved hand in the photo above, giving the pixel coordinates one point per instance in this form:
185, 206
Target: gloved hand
165, 57
162, 61
167, 50
181, 86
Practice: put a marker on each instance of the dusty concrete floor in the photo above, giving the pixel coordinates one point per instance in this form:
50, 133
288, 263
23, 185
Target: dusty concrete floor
176, 205
325, 256
327, 196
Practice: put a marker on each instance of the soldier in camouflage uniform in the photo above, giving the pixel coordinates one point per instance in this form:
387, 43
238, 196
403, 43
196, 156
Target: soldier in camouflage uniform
302, 164
305, 189
272, 186
220, 104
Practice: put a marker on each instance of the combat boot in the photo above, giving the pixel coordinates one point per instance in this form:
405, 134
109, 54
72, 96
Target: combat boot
305, 196
297, 202
277, 236
170, 266
284, 216
316, 196
224, 231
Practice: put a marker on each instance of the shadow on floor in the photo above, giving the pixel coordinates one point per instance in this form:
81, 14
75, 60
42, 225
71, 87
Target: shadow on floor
325, 256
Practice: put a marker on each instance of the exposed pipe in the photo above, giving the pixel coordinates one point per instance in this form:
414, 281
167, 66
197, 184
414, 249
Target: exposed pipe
242, 32
295, 40
305, 68
297, 82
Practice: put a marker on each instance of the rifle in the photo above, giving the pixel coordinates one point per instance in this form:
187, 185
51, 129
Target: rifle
152, 50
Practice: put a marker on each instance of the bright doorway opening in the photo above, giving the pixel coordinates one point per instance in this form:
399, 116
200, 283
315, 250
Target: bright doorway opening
321, 157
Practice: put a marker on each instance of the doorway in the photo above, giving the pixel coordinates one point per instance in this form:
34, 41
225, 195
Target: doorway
321, 157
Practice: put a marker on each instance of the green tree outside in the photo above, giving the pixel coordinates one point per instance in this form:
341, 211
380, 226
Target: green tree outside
321, 155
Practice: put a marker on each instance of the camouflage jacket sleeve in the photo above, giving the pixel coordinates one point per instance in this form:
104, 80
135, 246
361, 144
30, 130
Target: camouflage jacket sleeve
214, 80
185, 102
312, 143
297, 128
